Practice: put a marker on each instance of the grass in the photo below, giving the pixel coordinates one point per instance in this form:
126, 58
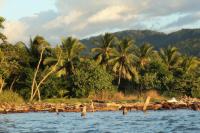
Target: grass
118, 97
136, 97
68, 101
10, 97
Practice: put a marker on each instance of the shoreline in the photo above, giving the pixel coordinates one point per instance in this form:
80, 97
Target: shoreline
6, 108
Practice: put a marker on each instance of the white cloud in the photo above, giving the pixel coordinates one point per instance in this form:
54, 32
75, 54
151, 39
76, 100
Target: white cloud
15, 31
63, 20
86, 17
112, 13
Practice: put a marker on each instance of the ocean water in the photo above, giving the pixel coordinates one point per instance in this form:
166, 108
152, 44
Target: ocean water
172, 121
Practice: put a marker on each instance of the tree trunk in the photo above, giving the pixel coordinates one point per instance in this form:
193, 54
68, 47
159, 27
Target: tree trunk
13, 82
37, 89
35, 75
141, 88
119, 79
2, 85
39, 96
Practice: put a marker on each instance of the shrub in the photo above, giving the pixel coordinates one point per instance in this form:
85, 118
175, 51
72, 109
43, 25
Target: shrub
54, 88
172, 94
10, 97
195, 91
89, 79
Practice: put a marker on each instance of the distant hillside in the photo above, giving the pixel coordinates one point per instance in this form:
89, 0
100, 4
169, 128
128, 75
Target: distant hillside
187, 40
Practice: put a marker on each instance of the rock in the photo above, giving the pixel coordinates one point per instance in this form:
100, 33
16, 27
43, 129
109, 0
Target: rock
77, 106
195, 106
155, 107
181, 105
166, 106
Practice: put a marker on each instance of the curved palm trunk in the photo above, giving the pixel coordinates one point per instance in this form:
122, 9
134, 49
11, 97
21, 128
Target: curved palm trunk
69, 69
37, 89
66, 72
35, 75
119, 78
13, 82
39, 95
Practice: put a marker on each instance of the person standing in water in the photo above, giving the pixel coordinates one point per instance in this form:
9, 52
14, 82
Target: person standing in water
125, 111
84, 110
57, 111
92, 106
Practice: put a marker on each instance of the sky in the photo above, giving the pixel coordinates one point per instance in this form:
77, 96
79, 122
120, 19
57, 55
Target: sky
55, 19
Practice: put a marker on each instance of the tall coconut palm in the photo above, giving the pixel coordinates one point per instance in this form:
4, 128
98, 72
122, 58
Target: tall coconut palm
170, 57
144, 54
23, 53
104, 50
46, 73
71, 49
122, 60
36, 46
38, 49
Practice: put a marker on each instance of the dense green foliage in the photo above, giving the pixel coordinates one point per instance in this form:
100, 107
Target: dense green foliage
39, 71
90, 78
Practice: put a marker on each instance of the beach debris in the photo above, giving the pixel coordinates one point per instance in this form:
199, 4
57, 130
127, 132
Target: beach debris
183, 103
173, 100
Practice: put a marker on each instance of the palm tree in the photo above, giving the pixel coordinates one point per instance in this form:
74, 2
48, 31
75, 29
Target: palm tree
122, 60
170, 57
46, 73
37, 45
71, 49
104, 50
38, 49
189, 64
144, 54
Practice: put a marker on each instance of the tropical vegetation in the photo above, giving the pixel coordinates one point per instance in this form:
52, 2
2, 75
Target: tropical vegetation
39, 70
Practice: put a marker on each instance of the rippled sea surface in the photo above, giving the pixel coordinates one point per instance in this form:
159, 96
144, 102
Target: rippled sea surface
176, 121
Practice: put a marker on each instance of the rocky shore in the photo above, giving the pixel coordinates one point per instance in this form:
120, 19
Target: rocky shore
5, 108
